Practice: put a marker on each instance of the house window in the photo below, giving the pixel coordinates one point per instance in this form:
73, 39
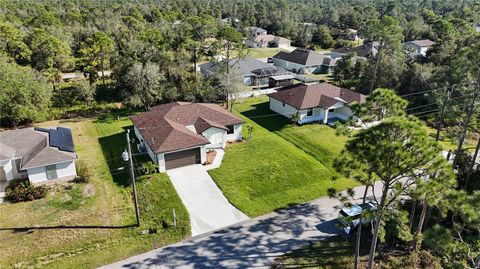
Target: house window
51, 171
230, 129
309, 112
331, 110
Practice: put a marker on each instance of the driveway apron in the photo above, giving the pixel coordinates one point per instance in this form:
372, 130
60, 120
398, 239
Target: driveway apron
209, 209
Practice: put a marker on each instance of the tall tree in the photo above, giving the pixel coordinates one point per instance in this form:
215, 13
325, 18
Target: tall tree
388, 63
230, 43
49, 52
144, 82
95, 53
399, 153
24, 96
11, 41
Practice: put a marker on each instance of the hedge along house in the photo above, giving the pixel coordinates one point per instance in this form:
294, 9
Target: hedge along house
37, 154
180, 133
322, 102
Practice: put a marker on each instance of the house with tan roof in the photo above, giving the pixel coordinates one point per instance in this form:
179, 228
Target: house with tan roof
39, 154
322, 102
266, 40
418, 47
180, 133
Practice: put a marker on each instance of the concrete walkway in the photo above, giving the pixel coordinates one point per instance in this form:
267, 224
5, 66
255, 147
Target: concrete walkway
255, 243
208, 208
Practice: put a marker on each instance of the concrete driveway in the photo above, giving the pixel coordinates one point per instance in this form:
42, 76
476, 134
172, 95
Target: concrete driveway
254, 243
208, 208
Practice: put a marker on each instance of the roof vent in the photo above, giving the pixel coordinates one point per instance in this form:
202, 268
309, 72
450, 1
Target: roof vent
290, 93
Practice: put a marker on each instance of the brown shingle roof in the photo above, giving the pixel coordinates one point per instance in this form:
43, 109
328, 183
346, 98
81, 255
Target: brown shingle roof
164, 127
322, 95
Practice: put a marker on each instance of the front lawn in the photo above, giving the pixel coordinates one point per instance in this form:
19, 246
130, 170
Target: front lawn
318, 140
268, 172
82, 225
263, 52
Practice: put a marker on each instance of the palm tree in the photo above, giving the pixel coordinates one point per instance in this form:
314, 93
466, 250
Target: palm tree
53, 75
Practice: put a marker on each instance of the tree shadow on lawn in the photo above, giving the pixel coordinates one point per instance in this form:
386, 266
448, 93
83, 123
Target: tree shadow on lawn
268, 119
112, 148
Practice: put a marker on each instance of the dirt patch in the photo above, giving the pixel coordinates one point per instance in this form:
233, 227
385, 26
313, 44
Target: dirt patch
89, 190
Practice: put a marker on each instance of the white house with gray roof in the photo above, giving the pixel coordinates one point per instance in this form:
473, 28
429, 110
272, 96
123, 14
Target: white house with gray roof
38, 154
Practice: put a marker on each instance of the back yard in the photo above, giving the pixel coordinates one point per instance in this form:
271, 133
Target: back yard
281, 164
85, 225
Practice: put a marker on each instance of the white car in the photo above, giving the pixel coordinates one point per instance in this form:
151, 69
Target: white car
350, 215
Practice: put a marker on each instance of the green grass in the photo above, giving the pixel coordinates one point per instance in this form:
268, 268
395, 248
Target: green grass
269, 172
263, 52
320, 77
334, 252
100, 213
71, 200
317, 140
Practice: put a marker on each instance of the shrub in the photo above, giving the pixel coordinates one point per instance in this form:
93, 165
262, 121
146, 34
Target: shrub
82, 173
22, 191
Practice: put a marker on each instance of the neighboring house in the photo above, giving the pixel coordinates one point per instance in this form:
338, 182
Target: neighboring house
38, 154
180, 133
477, 27
263, 41
351, 34
304, 61
255, 31
253, 71
322, 102
418, 47
330, 62
366, 50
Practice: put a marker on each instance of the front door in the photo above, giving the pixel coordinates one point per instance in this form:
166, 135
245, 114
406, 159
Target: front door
51, 172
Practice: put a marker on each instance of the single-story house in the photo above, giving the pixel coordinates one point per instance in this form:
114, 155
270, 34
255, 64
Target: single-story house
351, 34
263, 41
38, 154
418, 47
305, 61
254, 31
253, 71
366, 50
322, 102
180, 133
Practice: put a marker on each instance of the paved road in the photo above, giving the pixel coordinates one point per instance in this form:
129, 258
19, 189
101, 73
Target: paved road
253, 243
208, 208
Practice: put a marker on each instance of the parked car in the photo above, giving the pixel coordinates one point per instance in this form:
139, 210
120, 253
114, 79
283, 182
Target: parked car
269, 60
351, 215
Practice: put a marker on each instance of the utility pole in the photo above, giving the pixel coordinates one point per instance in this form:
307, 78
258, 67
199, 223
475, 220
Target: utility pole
132, 175
440, 120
